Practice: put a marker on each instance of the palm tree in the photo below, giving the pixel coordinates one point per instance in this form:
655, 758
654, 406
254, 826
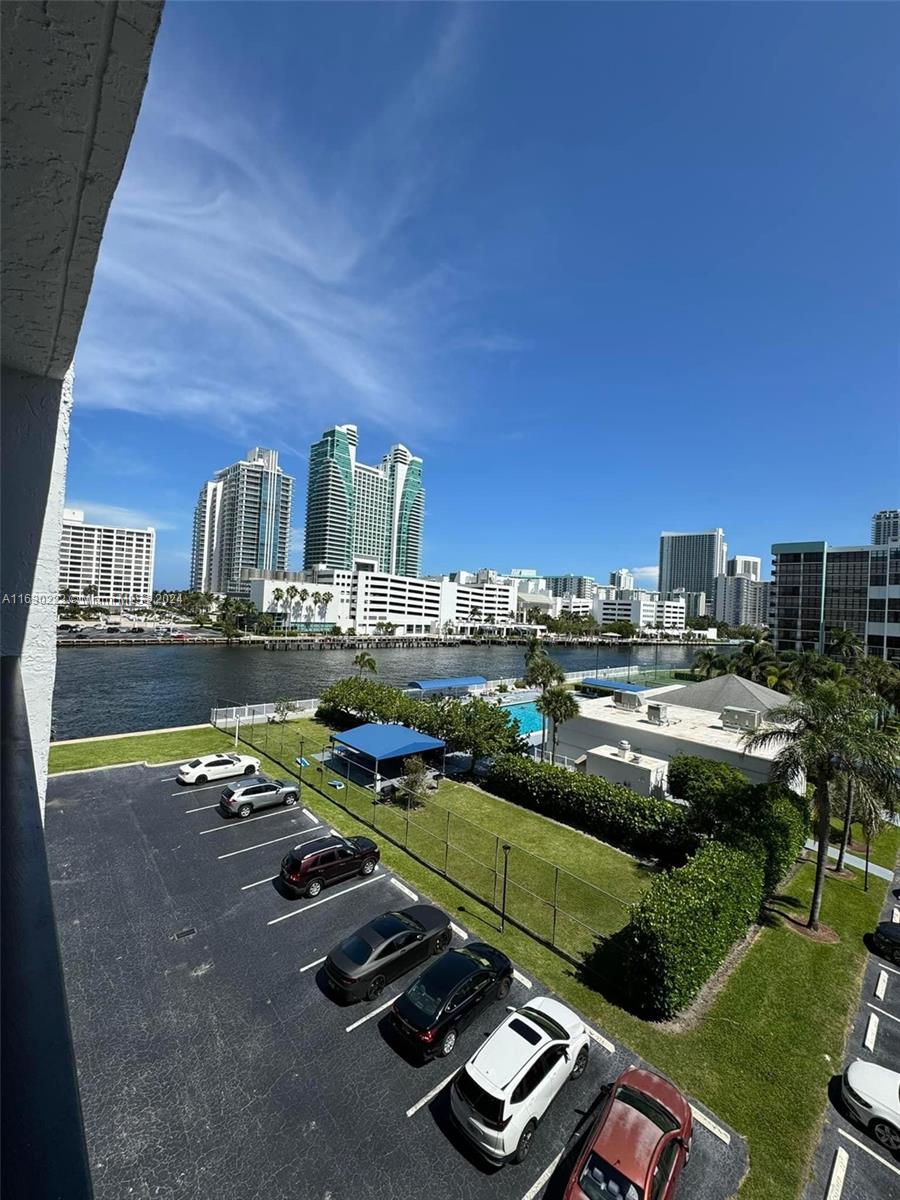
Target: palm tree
558, 705
277, 596
541, 672
303, 596
845, 645
780, 676
365, 662
709, 663
826, 732
290, 594
754, 661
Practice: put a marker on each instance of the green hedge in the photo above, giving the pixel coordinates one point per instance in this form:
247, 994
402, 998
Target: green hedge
684, 926
699, 780
640, 824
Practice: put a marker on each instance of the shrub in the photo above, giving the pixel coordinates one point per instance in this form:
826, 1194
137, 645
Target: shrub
683, 928
640, 824
702, 781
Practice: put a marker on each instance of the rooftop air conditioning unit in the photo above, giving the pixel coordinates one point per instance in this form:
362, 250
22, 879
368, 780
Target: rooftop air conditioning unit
741, 718
657, 714
630, 701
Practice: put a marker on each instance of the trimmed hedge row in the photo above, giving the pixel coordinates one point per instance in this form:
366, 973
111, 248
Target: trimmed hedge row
699, 780
683, 928
640, 824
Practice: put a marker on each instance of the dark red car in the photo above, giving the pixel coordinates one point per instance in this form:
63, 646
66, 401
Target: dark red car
639, 1143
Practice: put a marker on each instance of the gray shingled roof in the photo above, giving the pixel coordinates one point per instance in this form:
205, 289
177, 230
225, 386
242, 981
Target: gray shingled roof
724, 691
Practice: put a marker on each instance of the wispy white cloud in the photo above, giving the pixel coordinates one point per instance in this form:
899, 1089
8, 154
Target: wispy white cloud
113, 514
646, 574
246, 281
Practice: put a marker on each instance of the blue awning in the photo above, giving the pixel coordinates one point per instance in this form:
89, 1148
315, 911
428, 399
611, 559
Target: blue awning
387, 741
614, 685
446, 685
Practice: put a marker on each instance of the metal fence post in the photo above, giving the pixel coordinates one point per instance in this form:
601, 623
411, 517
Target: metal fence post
447, 845
496, 870
555, 908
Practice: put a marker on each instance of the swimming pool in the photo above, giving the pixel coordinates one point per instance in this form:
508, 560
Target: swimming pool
525, 715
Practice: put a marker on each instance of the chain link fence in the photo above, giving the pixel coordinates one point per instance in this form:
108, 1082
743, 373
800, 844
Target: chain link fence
563, 910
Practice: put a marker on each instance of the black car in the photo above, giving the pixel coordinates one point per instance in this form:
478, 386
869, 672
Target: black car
387, 947
887, 940
444, 999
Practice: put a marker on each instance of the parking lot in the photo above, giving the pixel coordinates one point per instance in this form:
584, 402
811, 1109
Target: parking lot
849, 1164
212, 1061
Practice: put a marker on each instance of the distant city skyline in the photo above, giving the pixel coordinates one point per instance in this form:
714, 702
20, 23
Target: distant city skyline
588, 335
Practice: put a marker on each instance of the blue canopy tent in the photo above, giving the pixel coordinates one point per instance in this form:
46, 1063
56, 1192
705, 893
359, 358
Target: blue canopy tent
453, 686
381, 743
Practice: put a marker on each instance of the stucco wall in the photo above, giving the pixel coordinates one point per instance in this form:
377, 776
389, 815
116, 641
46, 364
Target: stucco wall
35, 424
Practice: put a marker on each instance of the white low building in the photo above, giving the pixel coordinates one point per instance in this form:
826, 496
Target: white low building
643, 611
106, 564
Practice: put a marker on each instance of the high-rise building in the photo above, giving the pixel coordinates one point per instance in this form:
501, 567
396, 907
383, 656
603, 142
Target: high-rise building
742, 599
744, 564
359, 514
886, 526
691, 561
622, 579
817, 588
242, 519
115, 564
580, 586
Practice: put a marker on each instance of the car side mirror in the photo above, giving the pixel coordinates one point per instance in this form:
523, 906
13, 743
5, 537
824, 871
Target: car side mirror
510, 1008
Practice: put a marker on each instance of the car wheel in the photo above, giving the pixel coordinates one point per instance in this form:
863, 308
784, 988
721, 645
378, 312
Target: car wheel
249, 770
290, 799
580, 1063
895, 955
448, 1042
313, 887
200, 779
503, 989
368, 866
441, 942
245, 810
525, 1142
885, 1134
376, 987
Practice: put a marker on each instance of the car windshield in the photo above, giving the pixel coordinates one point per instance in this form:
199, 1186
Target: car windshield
426, 1001
481, 959
601, 1181
228, 793
487, 1106
356, 949
550, 1027
650, 1108
393, 922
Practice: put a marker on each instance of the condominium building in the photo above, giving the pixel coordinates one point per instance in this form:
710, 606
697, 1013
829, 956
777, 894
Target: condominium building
817, 588
744, 564
691, 561
105, 564
696, 604
580, 586
643, 611
623, 578
242, 520
886, 526
363, 515
742, 599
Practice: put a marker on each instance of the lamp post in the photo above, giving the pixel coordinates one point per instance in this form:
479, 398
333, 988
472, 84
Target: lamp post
301, 763
506, 849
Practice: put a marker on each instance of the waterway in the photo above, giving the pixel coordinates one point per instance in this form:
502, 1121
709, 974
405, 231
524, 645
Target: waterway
122, 689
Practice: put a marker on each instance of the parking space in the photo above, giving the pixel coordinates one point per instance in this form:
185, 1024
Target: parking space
849, 1163
213, 1060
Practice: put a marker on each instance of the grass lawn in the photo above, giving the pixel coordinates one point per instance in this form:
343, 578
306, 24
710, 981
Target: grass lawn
885, 847
763, 1054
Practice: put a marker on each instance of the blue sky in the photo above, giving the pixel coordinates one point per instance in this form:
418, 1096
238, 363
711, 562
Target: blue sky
609, 269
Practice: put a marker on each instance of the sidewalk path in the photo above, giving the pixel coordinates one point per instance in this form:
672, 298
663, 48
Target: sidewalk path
853, 861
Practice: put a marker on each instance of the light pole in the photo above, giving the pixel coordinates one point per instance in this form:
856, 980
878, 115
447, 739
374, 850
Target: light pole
506, 849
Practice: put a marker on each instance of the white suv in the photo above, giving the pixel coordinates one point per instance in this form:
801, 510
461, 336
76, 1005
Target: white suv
502, 1092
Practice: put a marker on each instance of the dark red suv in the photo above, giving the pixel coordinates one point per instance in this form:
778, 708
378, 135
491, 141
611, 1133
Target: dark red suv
308, 868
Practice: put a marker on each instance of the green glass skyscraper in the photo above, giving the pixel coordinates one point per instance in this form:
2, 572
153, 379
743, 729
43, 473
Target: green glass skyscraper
357, 513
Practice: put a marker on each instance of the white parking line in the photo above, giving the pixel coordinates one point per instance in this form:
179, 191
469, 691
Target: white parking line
202, 808
373, 1013
716, 1130
403, 888
838, 1171
521, 978
460, 933
315, 963
884, 1162
893, 970
539, 1182
268, 879
411, 1112
270, 842
871, 1032
333, 896
312, 816
242, 823
881, 984
884, 1014
895, 914
334, 833
168, 779
599, 1038
189, 791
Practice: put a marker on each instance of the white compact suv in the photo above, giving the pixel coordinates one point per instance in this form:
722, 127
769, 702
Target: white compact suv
217, 766
500, 1095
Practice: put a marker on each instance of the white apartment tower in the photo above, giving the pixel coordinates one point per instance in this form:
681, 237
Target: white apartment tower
242, 520
117, 562
745, 564
691, 561
358, 514
886, 526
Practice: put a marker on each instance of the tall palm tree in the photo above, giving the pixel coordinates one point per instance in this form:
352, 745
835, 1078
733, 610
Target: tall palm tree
780, 676
754, 661
558, 705
825, 732
303, 596
290, 594
541, 672
709, 663
845, 645
277, 596
365, 662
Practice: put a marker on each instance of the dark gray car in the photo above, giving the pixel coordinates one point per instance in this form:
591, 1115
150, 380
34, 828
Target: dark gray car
257, 791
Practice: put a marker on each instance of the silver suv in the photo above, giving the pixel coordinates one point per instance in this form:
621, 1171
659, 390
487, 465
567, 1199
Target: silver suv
257, 791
